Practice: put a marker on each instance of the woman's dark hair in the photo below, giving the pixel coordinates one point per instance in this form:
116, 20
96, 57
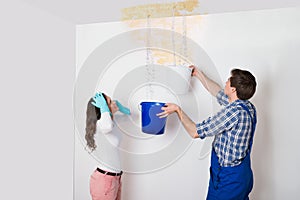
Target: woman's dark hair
93, 114
244, 82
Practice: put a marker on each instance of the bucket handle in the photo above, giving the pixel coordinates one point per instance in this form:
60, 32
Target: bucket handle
139, 107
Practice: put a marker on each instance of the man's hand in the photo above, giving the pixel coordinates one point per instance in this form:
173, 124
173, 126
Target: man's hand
168, 109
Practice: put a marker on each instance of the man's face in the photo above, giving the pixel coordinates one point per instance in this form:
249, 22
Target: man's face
228, 89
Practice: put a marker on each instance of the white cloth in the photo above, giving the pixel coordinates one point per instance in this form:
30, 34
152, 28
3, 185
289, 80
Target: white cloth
105, 123
107, 150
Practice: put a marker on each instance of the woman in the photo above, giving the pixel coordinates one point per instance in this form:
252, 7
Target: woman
105, 182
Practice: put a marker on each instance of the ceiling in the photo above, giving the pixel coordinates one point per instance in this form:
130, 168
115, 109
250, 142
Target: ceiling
94, 11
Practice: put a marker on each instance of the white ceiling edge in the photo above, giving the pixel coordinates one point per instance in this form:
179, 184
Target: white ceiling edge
96, 11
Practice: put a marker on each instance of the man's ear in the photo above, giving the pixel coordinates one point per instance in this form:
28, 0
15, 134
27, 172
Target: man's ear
233, 89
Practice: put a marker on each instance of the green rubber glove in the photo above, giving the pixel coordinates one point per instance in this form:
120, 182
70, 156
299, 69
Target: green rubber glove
122, 108
100, 102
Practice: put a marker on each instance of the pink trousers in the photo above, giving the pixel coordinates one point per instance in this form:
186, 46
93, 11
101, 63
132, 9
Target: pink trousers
105, 187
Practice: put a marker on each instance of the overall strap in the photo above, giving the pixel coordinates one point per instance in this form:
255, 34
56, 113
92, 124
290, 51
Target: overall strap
253, 119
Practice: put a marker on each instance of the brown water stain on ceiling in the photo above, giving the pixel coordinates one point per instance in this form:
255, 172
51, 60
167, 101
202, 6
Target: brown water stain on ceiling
166, 16
159, 10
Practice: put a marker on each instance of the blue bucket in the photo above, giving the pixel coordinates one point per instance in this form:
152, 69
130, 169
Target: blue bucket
151, 123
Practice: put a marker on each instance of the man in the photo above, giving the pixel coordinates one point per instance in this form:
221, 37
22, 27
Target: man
233, 127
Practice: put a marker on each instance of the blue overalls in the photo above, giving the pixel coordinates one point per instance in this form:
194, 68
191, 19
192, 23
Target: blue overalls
232, 183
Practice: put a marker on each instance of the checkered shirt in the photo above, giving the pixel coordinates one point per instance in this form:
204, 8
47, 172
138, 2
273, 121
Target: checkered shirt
231, 127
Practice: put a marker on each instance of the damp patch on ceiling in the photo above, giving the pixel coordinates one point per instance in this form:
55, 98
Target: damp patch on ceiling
159, 10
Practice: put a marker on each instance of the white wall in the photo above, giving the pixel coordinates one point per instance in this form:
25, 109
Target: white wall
149, 159
37, 75
266, 43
